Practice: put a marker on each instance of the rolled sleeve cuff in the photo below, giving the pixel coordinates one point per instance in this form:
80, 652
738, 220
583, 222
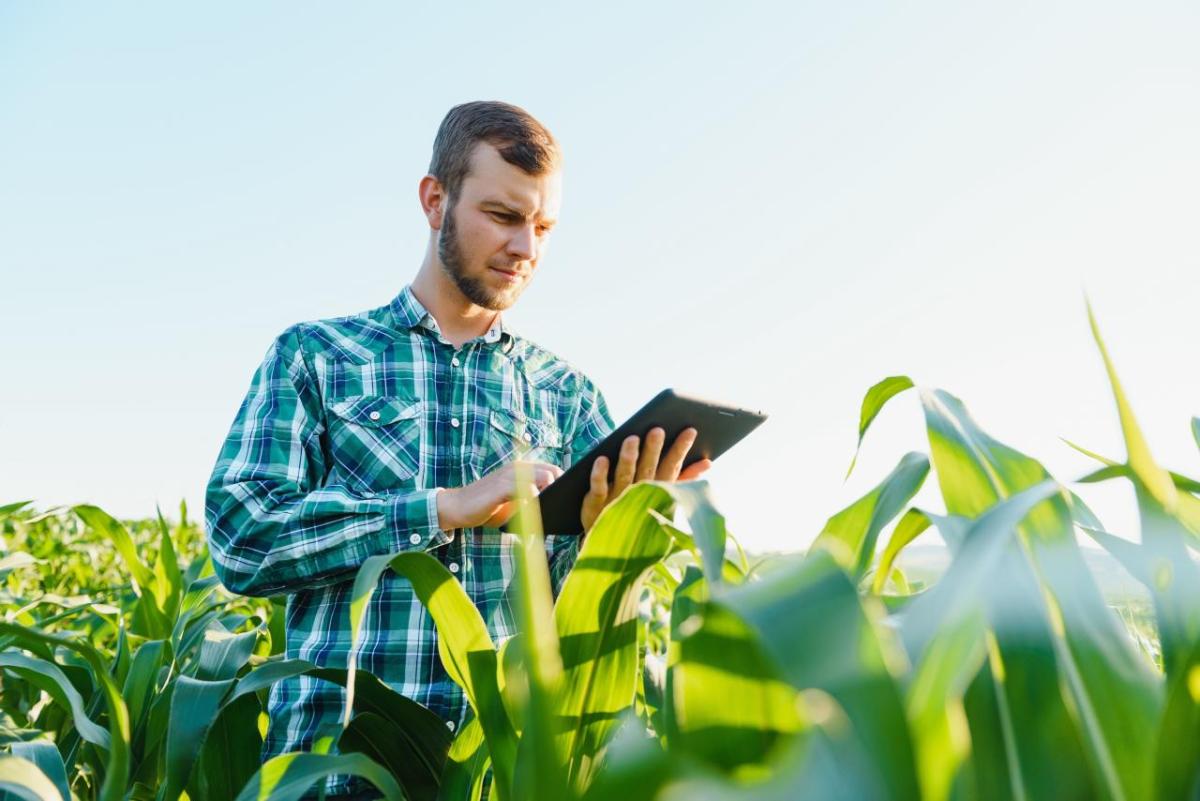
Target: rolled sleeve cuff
413, 522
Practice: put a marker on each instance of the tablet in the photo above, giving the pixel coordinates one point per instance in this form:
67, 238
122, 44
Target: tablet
718, 428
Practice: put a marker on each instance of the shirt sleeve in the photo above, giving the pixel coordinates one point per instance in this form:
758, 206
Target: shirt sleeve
592, 424
274, 524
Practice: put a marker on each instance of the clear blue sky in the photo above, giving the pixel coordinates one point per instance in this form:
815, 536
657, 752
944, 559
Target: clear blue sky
773, 204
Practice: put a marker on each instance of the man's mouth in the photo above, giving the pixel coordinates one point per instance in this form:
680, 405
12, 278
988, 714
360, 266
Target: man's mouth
512, 275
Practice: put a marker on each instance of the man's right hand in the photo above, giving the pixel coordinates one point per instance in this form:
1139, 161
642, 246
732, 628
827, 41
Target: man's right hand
491, 500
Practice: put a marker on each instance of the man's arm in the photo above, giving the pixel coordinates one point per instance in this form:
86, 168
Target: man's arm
592, 424
273, 525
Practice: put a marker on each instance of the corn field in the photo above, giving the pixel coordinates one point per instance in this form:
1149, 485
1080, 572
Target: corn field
668, 668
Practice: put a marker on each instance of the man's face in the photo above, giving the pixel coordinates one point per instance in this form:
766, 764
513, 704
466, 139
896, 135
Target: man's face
498, 226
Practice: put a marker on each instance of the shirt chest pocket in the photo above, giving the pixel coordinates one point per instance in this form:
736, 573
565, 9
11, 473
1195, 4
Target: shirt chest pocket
375, 440
509, 436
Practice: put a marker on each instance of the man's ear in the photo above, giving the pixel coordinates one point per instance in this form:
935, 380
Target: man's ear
433, 200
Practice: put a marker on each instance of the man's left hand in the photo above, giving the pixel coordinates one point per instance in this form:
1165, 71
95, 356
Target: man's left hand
633, 467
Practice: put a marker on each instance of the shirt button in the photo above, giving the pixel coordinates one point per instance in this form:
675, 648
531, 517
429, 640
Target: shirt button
374, 415
454, 567
528, 436
454, 422
455, 361
415, 539
450, 725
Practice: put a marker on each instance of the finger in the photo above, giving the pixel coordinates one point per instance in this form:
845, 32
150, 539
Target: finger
597, 497
599, 486
544, 477
626, 465
648, 461
695, 470
553, 468
673, 461
501, 515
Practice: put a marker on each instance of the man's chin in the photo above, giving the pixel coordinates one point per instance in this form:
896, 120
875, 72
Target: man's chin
502, 303
488, 297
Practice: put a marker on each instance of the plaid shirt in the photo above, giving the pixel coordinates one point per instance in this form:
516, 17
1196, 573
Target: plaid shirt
348, 429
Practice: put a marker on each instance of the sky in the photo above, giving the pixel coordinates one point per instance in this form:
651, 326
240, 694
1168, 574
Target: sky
773, 205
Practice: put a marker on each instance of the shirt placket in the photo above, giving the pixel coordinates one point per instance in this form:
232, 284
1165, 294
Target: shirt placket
454, 555
453, 417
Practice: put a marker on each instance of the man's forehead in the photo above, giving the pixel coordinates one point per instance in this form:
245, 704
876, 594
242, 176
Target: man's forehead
493, 180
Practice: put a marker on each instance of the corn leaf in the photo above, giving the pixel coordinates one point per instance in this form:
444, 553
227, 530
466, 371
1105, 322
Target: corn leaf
117, 766
266, 674
287, 777
49, 677
223, 653
539, 771
230, 754
912, 524
714, 656
1177, 763
385, 742
941, 738
464, 645
945, 621
140, 680
419, 733
168, 579
49, 761
1153, 477
1187, 508
195, 704
801, 601
596, 619
466, 763
873, 403
1053, 629
1130, 555
1167, 515
709, 537
151, 606
850, 535
25, 780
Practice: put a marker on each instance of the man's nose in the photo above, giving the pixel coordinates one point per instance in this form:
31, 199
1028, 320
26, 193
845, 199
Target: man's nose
523, 245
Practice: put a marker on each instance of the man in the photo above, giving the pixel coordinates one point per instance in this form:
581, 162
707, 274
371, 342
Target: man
399, 428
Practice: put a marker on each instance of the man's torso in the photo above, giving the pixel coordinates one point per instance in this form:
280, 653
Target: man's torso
404, 409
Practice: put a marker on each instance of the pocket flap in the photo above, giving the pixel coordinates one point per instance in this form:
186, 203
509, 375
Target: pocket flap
376, 410
518, 426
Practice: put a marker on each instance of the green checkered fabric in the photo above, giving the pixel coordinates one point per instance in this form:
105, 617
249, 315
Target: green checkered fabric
349, 427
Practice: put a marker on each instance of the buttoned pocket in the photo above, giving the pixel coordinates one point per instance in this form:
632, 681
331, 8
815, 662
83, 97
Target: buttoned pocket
511, 436
376, 440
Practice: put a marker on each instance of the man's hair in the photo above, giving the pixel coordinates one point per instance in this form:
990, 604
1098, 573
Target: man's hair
521, 140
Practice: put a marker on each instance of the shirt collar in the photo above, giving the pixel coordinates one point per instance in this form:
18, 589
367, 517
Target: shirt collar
409, 313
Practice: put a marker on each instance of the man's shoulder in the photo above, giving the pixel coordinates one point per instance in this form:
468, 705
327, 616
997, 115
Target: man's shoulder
354, 337
546, 369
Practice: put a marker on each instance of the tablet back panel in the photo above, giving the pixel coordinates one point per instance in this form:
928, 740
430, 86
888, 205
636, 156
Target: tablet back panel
718, 427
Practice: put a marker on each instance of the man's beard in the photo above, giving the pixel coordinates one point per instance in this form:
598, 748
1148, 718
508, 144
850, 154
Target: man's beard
450, 255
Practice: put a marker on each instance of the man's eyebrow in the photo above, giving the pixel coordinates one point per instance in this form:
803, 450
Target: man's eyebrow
513, 211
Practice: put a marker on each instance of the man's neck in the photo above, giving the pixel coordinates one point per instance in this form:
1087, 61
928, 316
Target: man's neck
458, 318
